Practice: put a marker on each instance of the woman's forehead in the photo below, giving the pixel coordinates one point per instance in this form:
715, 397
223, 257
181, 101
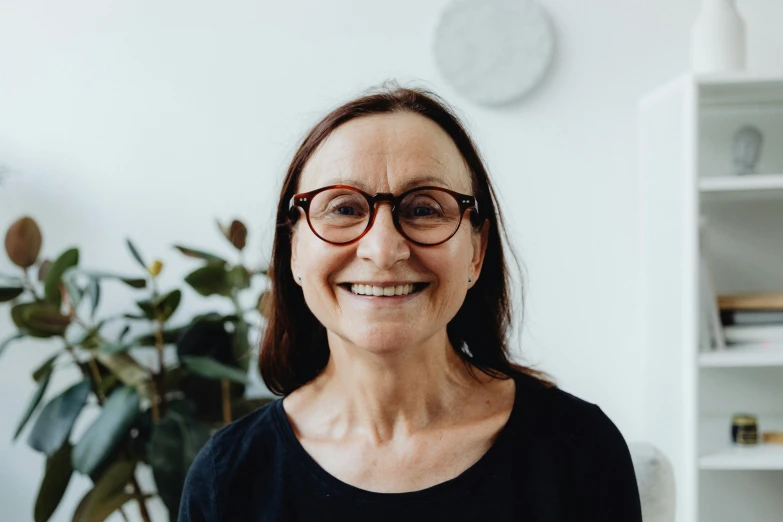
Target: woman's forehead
387, 153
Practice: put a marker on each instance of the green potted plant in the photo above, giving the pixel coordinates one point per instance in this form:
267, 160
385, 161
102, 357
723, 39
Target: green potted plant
158, 414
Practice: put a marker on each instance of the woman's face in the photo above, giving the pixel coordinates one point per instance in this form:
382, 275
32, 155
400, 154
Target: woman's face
386, 153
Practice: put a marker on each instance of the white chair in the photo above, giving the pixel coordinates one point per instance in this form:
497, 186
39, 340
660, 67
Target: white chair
655, 476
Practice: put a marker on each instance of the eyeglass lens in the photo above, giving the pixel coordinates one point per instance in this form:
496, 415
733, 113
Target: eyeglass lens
426, 216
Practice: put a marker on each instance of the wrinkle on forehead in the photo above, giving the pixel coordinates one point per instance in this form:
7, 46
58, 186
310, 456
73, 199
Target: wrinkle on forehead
387, 153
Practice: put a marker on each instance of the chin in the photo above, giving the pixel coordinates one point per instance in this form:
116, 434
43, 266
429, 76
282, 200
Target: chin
385, 339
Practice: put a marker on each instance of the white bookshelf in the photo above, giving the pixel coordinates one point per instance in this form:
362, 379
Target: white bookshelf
764, 457
685, 171
742, 188
744, 356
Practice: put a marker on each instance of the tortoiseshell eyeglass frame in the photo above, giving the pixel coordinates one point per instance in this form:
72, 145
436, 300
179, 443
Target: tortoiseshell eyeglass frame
302, 200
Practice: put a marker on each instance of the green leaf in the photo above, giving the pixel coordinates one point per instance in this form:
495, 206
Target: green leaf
102, 437
125, 368
111, 348
45, 368
101, 511
107, 384
241, 344
8, 293
170, 336
34, 401
211, 369
56, 478
148, 307
54, 275
91, 338
94, 290
44, 320
112, 482
17, 310
174, 377
209, 280
4, 344
207, 336
200, 254
124, 332
56, 420
136, 254
239, 277
174, 444
161, 308
75, 292
168, 304
133, 282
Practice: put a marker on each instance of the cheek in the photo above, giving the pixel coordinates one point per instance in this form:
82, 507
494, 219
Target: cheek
317, 259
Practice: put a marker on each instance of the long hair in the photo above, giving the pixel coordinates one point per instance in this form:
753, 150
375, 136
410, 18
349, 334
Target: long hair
294, 349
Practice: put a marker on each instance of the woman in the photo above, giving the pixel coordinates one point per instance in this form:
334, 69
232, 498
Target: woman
387, 340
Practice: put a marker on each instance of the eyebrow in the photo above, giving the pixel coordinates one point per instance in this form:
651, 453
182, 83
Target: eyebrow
411, 184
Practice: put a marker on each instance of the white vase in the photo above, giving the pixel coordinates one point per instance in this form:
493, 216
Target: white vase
718, 38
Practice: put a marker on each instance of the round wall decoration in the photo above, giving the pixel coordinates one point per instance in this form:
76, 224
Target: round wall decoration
494, 51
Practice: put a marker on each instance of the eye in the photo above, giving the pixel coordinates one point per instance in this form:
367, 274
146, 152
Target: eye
422, 211
345, 211
347, 206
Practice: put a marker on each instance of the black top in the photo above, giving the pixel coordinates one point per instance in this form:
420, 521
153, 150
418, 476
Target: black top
558, 458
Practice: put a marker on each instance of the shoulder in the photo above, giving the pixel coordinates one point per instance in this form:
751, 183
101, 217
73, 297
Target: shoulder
244, 446
567, 419
230, 460
572, 441
255, 435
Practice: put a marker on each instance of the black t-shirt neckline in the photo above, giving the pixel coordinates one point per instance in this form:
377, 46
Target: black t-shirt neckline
485, 464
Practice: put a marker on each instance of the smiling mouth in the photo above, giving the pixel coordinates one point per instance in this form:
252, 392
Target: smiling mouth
384, 291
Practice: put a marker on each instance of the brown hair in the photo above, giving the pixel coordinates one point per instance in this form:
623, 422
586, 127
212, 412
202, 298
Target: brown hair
294, 349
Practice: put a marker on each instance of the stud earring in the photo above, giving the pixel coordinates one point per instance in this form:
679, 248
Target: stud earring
299, 278
470, 280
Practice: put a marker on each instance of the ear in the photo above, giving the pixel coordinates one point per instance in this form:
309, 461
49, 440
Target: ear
480, 242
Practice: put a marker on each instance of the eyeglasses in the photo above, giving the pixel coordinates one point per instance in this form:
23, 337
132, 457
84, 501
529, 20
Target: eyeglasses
341, 214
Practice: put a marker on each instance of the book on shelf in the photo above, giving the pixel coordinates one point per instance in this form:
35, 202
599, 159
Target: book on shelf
750, 317
752, 301
754, 334
711, 335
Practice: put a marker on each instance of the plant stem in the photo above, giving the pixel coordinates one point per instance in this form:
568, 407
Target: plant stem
225, 392
29, 284
140, 499
160, 375
96, 377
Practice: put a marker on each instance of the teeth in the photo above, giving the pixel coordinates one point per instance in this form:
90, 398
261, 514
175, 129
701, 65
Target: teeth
382, 290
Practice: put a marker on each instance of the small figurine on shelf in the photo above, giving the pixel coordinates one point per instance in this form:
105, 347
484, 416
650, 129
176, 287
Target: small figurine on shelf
747, 149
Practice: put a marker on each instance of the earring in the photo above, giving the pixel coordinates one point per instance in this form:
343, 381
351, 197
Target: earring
299, 278
470, 280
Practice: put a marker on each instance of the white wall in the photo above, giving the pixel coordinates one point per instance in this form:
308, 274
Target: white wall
149, 119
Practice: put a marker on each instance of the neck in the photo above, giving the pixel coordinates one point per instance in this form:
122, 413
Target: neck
394, 393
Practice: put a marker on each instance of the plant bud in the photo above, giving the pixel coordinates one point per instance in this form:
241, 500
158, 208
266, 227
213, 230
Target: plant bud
23, 242
238, 236
156, 267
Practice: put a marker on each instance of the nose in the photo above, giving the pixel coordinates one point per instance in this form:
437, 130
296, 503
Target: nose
383, 244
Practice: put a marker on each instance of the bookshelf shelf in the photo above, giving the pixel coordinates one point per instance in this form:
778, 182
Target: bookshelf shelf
742, 188
762, 457
743, 356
